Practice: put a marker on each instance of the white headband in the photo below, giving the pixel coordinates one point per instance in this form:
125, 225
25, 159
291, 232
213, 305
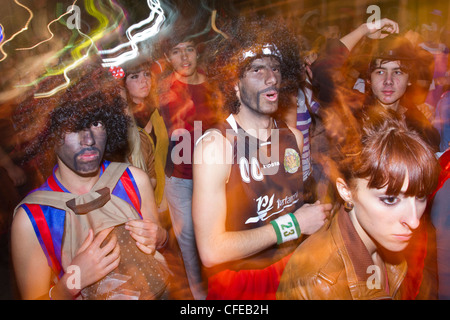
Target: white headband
268, 49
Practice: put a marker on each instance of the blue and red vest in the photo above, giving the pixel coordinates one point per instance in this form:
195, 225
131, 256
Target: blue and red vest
48, 222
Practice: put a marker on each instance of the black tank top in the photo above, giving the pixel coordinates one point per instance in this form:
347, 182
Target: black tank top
265, 182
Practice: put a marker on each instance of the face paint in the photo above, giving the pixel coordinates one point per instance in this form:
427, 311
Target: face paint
83, 151
258, 89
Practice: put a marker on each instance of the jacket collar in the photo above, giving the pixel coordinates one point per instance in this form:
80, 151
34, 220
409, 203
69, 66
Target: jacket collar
359, 266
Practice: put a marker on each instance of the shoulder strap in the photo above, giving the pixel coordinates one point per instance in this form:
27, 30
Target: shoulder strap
48, 198
59, 200
111, 175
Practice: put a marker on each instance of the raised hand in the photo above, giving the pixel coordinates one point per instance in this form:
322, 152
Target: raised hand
382, 29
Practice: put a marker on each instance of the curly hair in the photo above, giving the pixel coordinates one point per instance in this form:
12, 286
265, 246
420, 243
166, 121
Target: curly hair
92, 97
226, 65
76, 115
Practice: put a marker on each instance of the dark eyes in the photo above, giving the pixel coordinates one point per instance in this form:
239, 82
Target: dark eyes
381, 72
258, 69
135, 76
393, 200
97, 124
175, 52
389, 200
422, 199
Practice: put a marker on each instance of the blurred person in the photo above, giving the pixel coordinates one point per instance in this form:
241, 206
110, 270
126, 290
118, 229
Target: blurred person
390, 73
384, 176
440, 216
306, 117
431, 32
331, 31
247, 171
140, 89
185, 98
442, 120
149, 143
108, 232
12, 175
309, 25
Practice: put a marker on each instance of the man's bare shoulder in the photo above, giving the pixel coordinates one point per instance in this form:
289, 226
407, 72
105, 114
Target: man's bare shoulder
213, 148
140, 177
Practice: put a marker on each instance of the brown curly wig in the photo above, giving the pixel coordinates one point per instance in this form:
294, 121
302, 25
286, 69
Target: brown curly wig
226, 65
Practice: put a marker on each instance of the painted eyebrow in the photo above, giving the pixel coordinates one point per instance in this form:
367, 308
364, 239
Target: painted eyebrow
262, 65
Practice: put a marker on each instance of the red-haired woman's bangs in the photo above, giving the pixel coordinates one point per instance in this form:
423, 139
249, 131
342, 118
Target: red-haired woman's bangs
396, 156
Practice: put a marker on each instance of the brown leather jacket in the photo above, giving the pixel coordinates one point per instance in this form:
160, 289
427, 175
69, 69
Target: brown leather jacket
334, 264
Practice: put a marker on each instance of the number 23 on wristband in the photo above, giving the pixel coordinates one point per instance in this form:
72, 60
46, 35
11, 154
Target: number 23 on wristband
286, 228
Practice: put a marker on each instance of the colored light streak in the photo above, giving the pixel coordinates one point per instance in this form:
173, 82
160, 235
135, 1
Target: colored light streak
214, 27
24, 28
79, 58
155, 10
95, 35
66, 70
155, 20
75, 52
48, 28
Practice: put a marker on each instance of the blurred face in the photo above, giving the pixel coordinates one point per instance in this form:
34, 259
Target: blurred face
384, 220
430, 32
259, 87
138, 85
183, 58
389, 83
82, 151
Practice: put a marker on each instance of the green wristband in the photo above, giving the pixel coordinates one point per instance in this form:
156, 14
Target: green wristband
277, 231
286, 228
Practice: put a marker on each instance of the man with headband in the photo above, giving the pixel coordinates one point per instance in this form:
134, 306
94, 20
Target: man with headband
247, 206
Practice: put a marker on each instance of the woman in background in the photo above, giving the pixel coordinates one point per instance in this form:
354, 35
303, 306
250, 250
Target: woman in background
148, 137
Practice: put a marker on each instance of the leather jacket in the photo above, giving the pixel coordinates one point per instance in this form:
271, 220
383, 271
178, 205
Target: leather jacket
334, 264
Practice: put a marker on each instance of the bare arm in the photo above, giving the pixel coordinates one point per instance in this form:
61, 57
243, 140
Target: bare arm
28, 259
385, 28
310, 217
33, 274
